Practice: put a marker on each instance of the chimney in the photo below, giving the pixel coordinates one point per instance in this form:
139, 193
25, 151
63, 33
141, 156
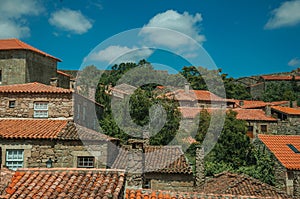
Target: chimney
268, 110
241, 103
200, 175
293, 104
186, 87
92, 93
135, 164
54, 81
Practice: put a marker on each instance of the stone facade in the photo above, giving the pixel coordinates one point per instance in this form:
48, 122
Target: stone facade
286, 128
64, 153
174, 182
59, 105
23, 66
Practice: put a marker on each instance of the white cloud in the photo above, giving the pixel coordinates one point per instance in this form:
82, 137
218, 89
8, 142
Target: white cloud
12, 17
9, 29
182, 23
119, 54
295, 62
70, 20
288, 14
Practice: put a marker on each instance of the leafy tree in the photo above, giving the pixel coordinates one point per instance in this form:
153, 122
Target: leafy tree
280, 91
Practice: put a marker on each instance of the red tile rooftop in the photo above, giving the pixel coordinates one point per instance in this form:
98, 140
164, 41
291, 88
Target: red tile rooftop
253, 115
66, 183
16, 44
194, 95
286, 110
64, 74
34, 87
162, 159
278, 145
47, 129
159, 194
279, 77
242, 185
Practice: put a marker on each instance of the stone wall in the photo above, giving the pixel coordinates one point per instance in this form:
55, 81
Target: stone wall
63, 81
23, 66
285, 128
87, 112
63, 153
13, 67
59, 105
174, 182
40, 68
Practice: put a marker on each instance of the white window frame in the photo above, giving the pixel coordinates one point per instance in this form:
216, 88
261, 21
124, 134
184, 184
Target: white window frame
14, 158
40, 110
85, 161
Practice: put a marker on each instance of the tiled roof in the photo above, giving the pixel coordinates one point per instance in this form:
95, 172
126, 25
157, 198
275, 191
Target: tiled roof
286, 110
192, 112
66, 183
189, 140
253, 114
16, 44
194, 95
251, 103
5, 176
46, 129
279, 77
159, 194
248, 104
64, 74
278, 145
124, 88
162, 159
238, 184
34, 87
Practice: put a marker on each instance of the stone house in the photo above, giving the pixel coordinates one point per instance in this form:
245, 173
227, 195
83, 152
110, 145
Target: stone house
155, 167
285, 150
66, 183
21, 63
36, 100
198, 98
122, 90
291, 115
257, 120
27, 143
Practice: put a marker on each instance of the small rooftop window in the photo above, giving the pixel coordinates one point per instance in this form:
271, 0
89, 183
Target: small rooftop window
293, 148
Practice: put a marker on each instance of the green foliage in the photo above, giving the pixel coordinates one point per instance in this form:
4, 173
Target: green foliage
278, 91
233, 151
218, 83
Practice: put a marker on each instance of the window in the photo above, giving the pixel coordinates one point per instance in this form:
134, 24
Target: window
11, 104
263, 128
85, 162
14, 158
40, 109
250, 128
293, 148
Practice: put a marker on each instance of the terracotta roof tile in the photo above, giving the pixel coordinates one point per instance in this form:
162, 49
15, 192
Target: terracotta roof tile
286, 110
34, 87
16, 44
192, 112
278, 145
66, 183
47, 129
249, 104
124, 88
5, 176
162, 159
253, 114
64, 74
159, 194
279, 77
194, 95
230, 183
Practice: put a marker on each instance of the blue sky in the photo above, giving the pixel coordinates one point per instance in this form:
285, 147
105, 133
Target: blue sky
242, 37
